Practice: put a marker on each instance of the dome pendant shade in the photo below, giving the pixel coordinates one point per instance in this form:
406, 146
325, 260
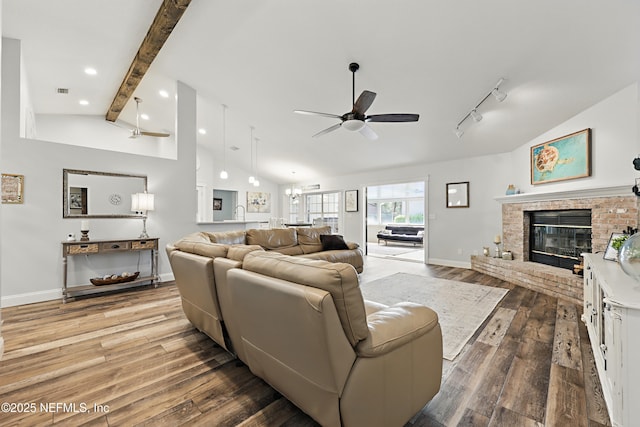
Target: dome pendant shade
353, 125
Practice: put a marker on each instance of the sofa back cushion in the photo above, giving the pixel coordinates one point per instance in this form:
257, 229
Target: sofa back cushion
228, 237
199, 244
404, 229
309, 238
238, 252
277, 238
339, 279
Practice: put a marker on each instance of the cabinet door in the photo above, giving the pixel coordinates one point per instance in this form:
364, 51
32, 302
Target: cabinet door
612, 350
588, 295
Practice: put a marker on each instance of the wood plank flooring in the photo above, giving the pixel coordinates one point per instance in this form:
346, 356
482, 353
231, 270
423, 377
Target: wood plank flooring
133, 359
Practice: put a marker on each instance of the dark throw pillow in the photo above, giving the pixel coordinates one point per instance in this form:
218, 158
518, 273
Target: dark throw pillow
332, 242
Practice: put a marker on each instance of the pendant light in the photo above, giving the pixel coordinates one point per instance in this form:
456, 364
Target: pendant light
256, 182
252, 178
223, 173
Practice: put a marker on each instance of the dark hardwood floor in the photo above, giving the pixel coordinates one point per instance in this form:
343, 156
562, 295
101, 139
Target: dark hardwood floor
133, 359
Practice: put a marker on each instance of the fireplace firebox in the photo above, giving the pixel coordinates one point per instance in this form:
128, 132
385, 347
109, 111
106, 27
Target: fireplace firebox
557, 238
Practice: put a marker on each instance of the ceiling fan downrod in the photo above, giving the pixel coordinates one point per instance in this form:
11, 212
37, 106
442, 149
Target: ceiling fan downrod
353, 67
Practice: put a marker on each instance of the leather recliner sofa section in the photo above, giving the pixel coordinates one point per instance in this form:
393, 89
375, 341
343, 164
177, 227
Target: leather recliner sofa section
303, 326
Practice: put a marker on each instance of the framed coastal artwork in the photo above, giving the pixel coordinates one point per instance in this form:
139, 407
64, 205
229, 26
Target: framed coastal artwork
567, 157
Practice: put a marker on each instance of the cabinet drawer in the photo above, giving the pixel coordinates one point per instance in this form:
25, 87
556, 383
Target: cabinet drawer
143, 244
115, 246
86, 248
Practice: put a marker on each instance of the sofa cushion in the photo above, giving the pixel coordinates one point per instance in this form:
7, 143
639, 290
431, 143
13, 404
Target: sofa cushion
238, 252
339, 279
207, 249
332, 242
228, 237
277, 238
309, 238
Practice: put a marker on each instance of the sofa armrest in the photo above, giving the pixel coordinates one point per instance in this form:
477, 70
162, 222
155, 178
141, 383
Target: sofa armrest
395, 326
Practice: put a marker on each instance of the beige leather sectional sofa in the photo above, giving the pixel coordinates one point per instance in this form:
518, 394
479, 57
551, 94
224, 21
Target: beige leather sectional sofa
302, 325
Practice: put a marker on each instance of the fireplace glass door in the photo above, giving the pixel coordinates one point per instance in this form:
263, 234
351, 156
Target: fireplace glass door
559, 237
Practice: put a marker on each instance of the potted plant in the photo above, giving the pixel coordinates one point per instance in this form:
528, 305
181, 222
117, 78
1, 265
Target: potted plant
618, 241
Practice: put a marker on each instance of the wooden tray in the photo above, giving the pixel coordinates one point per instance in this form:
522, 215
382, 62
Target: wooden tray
100, 282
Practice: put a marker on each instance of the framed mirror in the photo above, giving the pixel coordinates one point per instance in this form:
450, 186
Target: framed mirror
458, 194
90, 194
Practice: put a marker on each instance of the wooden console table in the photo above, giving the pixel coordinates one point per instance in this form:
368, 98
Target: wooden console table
101, 247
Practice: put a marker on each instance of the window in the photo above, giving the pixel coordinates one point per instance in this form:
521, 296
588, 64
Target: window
396, 204
323, 209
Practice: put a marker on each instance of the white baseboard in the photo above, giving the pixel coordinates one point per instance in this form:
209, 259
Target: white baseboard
30, 297
450, 263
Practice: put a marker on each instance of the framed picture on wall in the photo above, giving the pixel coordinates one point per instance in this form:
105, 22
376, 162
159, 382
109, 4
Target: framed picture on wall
567, 157
217, 204
351, 201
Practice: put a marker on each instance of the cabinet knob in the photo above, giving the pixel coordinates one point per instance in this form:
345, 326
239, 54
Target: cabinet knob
603, 347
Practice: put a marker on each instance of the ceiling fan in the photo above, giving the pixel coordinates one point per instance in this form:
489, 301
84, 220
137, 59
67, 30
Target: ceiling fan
136, 132
356, 120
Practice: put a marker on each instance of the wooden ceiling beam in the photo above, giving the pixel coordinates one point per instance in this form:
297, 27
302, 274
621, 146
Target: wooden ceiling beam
166, 19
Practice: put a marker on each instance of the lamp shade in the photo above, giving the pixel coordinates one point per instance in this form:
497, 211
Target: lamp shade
142, 202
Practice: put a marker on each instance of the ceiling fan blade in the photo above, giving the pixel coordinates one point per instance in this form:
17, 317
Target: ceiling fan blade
393, 118
314, 113
156, 134
327, 130
368, 133
364, 102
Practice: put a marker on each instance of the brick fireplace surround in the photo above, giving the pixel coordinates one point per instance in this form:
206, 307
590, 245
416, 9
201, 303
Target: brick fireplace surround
612, 210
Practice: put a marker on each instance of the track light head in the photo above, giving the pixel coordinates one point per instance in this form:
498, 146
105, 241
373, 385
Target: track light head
498, 94
475, 115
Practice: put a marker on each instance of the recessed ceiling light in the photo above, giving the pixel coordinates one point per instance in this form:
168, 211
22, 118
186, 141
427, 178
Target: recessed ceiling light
91, 71
202, 131
83, 102
144, 116
163, 93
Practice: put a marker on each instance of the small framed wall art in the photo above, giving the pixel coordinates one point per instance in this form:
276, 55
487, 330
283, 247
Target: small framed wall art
217, 204
12, 188
351, 201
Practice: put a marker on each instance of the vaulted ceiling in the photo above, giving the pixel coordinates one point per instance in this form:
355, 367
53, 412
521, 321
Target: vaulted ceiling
265, 59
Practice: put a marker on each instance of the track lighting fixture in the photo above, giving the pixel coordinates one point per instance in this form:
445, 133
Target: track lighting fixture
474, 114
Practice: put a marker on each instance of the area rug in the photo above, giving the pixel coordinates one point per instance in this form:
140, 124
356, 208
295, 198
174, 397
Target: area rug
461, 307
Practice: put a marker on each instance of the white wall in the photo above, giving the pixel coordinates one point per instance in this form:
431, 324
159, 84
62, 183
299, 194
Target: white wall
31, 232
615, 143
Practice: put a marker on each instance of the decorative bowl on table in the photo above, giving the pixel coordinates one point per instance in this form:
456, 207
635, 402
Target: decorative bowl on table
114, 279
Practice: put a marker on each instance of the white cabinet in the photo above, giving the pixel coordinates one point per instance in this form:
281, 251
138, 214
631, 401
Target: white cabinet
612, 315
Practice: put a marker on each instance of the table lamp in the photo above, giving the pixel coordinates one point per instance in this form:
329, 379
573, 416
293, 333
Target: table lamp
141, 203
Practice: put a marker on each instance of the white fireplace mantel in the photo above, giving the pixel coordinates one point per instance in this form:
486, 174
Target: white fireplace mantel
582, 193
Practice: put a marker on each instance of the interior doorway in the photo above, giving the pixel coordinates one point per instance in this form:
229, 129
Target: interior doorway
395, 221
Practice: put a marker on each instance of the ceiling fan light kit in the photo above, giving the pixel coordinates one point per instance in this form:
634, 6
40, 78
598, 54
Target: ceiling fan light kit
498, 94
356, 120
